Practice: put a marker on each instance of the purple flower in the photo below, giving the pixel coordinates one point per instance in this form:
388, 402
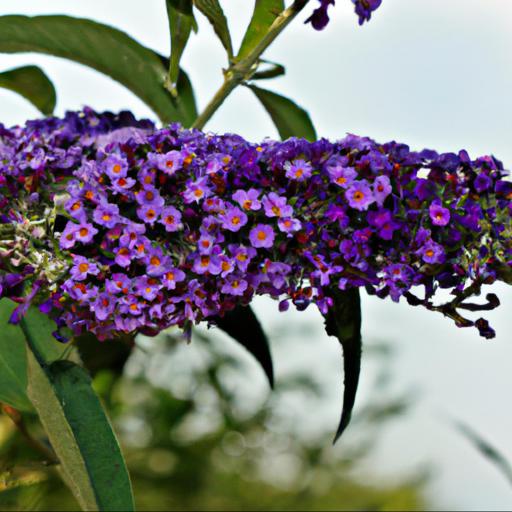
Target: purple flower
207, 263
122, 185
227, 265
319, 19
289, 225
381, 189
168, 162
299, 170
67, 238
75, 208
149, 196
482, 182
196, 191
120, 283
147, 287
106, 215
233, 219
275, 206
247, 200
262, 235
440, 216
342, 176
85, 232
359, 195
157, 263
364, 9
206, 244
242, 256
103, 306
383, 220
432, 252
170, 217
115, 167
234, 286
148, 213
123, 256
82, 268
171, 277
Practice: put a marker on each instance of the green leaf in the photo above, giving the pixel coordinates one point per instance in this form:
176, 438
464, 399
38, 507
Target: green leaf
213, 11
492, 454
265, 12
272, 71
289, 119
107, 50
13, 361
31, 83
243, 326
344, 322
80, 434
181, 22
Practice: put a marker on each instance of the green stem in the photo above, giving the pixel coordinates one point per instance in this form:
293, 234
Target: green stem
241, 71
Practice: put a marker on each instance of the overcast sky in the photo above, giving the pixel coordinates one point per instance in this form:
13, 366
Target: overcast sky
430, 73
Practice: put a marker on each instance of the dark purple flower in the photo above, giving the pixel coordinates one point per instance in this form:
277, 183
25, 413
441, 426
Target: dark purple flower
319, 19
440, 216
482, 182
364, 9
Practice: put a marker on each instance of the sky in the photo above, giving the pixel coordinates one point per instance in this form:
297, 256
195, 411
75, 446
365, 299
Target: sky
429, 73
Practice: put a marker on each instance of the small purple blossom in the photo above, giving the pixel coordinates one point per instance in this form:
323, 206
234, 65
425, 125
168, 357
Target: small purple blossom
440, 216
106, 215
359, 195
82, 268
170, 217
276, 206
262, 236
247, 200
298, 170
233, 219
381, 189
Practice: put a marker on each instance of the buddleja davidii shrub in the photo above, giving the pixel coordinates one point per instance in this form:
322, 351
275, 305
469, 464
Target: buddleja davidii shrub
153, 228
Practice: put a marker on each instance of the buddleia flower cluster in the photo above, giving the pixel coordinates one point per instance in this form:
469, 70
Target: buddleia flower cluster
363, 8
113, 226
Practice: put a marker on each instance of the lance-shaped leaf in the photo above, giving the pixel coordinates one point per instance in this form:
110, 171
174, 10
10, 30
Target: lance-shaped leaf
265, 12
181, 22
13, 361
243, 326
33, 84
213, 11
105, 49
75, 422
344, 322
492, 454
289, 119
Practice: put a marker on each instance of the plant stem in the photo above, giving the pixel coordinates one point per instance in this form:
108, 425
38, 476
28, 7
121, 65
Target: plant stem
241, 71
47, 453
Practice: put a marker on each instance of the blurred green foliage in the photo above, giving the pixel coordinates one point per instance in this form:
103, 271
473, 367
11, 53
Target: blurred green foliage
191, 445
